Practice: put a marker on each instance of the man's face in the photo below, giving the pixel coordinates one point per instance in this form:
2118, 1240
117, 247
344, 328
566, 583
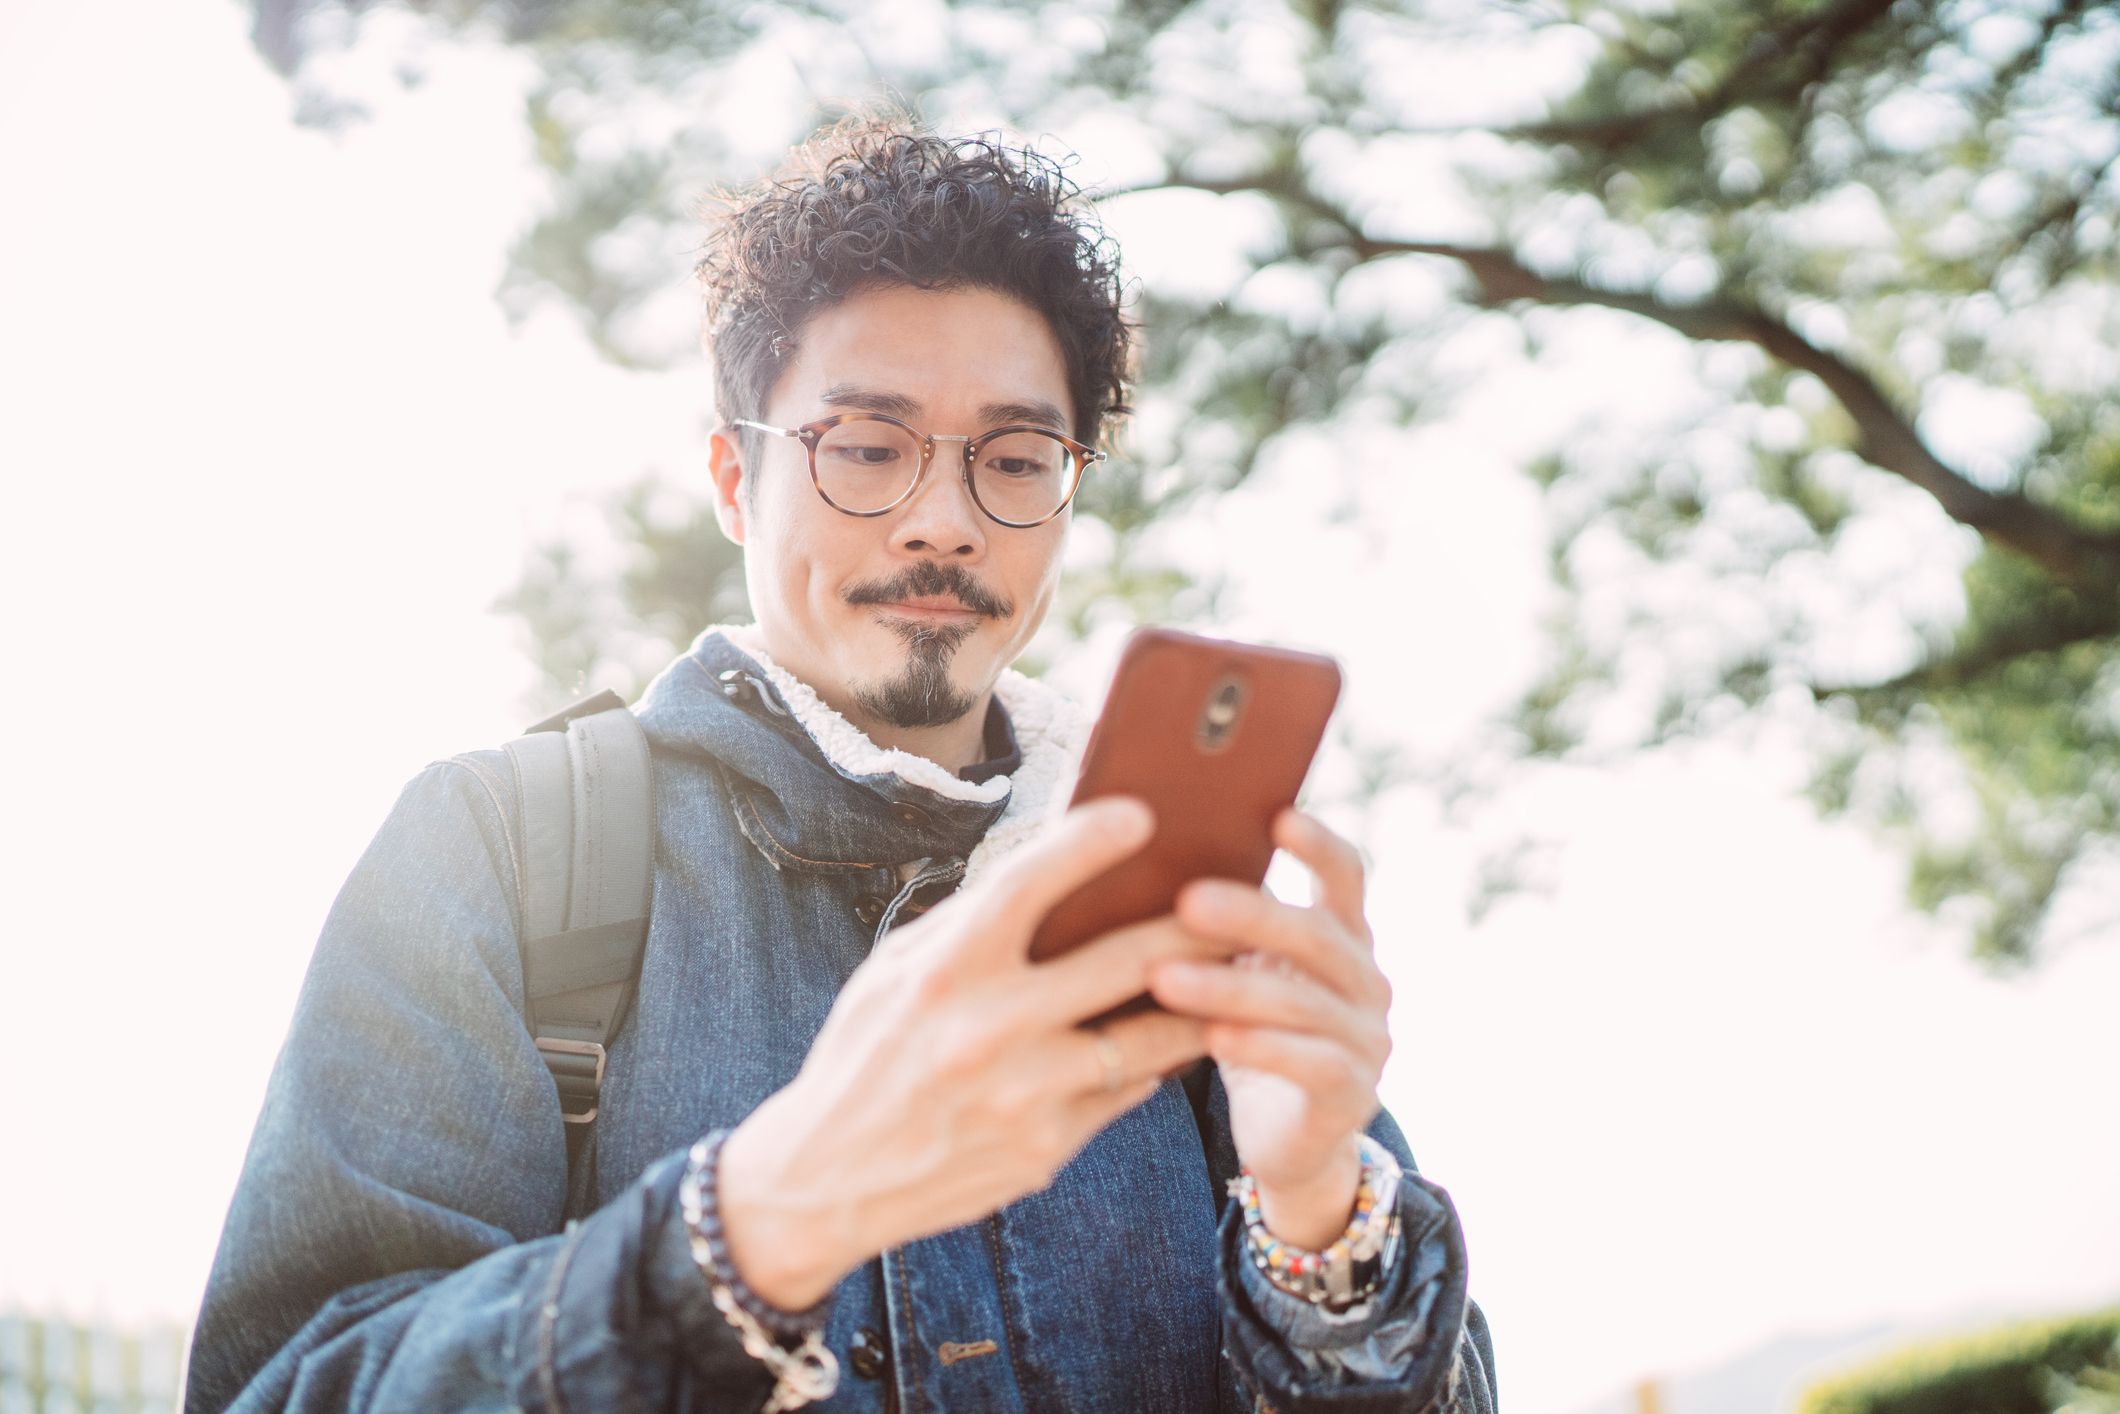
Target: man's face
903, 619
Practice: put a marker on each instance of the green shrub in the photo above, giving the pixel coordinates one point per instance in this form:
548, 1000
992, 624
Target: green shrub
2015, 1369
2092, 1391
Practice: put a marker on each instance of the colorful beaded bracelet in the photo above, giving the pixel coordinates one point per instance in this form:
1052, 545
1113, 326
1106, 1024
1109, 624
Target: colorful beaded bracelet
1352, 1267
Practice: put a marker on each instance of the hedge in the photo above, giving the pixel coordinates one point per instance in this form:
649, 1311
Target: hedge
2009, 1370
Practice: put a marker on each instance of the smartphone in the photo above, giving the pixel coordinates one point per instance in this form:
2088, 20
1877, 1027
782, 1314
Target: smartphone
1217, 736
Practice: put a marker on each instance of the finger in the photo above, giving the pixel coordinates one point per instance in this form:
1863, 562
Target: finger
1086, 841
1328, 1072
1226, 995
1148, 1045
1342, 880
1314, 940
1108, 970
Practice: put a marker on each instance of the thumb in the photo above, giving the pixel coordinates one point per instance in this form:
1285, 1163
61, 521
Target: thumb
1086, 841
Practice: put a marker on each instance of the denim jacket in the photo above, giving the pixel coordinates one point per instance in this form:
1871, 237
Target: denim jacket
406, 1234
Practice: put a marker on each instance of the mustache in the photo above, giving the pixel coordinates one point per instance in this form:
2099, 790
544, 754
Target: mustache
925, 578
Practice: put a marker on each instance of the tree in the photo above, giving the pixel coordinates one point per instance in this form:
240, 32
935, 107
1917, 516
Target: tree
1890, 511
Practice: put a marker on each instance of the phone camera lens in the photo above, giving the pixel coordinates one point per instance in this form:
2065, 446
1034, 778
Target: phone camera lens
1219, 717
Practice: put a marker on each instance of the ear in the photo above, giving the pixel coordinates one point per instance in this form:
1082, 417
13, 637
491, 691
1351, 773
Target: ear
725, 465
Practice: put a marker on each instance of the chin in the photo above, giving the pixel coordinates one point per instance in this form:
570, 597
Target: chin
927, 683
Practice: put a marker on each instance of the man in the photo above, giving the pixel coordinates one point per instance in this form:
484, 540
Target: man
853, 1146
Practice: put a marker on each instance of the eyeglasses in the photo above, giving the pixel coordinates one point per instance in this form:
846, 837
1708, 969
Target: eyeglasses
867, 464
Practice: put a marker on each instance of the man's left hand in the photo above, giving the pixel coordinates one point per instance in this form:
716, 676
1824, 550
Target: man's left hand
1297, 1025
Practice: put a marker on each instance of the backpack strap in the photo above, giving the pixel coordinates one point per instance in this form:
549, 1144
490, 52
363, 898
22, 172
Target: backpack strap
585, 823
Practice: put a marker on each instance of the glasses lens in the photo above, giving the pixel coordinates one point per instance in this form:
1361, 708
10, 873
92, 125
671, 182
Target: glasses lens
1024, 476
866, 463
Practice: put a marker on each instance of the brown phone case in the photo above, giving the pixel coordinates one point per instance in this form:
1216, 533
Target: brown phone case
1217, 737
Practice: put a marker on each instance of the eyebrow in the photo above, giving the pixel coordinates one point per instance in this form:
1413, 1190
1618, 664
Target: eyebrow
1037, 410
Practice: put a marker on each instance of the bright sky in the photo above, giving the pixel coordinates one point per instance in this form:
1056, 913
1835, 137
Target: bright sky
271, 451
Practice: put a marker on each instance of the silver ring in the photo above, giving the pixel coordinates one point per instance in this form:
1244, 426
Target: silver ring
1114, 1064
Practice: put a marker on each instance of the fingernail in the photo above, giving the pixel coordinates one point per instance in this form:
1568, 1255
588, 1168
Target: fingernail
1214, 902
1177, 974
1127, 815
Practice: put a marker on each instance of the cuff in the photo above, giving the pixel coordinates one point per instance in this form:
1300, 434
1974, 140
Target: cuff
677, 1288
1400, 1343
618, 1304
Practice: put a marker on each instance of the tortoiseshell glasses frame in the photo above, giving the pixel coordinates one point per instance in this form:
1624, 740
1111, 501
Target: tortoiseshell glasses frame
810, 434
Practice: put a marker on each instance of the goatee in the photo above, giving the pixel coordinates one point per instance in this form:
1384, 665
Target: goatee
922, 695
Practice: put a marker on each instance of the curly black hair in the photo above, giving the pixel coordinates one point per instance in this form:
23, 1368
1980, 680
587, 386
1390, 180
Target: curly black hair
876, 198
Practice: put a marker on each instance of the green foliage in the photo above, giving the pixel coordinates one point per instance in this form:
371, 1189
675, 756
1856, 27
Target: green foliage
1888, 505
2095, 1389
674, 574
2033, 1367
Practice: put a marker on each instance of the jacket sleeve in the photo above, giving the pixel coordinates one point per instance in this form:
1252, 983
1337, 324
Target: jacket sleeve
396, 1239
1420, 1346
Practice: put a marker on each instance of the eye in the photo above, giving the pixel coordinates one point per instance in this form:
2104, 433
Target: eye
1022, 456
863, 454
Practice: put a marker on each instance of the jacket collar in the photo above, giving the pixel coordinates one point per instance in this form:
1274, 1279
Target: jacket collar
828, 796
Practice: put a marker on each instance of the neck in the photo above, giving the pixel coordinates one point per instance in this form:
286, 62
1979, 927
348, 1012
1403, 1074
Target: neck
952, 746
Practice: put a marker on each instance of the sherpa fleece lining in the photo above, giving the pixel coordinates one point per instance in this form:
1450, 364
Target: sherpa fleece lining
1051, 732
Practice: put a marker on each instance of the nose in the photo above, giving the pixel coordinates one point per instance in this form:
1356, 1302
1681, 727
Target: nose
942, 518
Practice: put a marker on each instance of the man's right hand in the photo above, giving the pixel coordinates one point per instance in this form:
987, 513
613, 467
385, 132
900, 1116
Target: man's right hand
952, 1075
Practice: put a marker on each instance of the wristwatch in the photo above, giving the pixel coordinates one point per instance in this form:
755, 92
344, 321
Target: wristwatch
1349, 1270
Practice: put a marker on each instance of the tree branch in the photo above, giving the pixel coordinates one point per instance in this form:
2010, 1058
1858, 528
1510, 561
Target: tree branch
1812, 43
1887, 440
2064, 212
1998, 649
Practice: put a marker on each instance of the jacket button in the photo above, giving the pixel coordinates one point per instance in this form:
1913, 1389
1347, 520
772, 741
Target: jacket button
912, 814
869, 909
867, 1355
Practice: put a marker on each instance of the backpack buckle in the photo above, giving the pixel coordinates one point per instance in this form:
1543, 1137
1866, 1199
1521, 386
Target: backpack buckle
577, 1072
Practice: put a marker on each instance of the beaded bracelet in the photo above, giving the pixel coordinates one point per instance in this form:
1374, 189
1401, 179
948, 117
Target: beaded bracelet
809, 1371
1350, 1269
